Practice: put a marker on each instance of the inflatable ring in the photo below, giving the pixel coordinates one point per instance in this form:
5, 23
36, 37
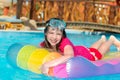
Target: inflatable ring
30, 58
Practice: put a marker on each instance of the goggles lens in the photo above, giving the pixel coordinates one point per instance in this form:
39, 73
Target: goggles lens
56, 23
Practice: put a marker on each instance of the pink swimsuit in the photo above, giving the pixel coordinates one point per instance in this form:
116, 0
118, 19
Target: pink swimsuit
89, 53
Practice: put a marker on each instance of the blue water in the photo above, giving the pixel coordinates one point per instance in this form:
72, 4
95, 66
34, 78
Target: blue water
7, 38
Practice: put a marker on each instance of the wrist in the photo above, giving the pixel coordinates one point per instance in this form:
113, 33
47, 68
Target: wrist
46, 65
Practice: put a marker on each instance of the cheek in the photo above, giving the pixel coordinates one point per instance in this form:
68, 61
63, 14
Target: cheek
59, 37
48, 35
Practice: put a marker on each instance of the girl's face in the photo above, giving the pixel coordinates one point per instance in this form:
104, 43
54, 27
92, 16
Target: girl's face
54, 36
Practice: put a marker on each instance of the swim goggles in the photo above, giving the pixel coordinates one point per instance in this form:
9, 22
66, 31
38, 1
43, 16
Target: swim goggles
56, 23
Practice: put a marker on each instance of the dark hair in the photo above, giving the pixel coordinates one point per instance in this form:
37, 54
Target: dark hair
47, 44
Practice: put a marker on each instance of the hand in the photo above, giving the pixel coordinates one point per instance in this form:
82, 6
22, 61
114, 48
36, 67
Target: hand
44, 69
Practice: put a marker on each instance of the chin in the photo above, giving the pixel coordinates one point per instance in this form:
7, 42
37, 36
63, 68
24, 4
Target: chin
53, 44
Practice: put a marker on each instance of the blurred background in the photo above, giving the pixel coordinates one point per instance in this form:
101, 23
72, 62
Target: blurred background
105, 12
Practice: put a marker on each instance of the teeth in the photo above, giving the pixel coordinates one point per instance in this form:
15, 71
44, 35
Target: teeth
53, 41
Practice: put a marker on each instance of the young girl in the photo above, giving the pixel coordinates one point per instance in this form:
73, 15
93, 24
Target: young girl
56, 40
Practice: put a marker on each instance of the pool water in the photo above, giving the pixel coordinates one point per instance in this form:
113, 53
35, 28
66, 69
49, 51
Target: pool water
7, 38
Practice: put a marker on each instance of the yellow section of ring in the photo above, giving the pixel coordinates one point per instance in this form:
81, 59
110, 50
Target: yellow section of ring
36, 60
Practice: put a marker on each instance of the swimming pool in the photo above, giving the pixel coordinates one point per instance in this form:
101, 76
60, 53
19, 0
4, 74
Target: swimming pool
35, 37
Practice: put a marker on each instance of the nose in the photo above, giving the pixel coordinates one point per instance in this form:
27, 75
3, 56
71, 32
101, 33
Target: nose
54, 36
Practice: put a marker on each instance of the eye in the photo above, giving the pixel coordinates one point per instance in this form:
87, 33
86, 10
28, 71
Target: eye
50, 32
59, 34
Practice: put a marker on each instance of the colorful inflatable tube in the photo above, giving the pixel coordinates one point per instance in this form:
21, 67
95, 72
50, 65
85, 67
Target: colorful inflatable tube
29, 57
81, 67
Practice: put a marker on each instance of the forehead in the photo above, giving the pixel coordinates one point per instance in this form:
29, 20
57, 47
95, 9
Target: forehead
54, 29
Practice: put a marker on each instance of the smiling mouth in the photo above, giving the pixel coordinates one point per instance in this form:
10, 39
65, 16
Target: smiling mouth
54, 41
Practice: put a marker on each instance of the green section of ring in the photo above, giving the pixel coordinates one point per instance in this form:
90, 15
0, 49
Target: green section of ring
23, 56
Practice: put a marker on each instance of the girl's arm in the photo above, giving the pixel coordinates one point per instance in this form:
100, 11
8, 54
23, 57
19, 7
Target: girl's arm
68, 53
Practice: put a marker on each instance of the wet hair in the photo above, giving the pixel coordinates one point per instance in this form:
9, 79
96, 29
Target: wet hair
59, 24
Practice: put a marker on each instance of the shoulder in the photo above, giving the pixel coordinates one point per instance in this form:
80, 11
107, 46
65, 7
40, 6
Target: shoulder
42, 44
65, 42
